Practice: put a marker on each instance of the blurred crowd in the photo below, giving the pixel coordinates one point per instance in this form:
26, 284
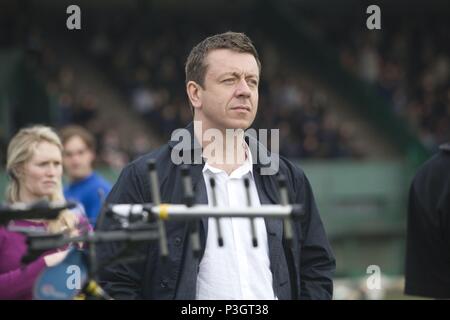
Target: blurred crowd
80, 107
408, 62
72, 105
148, 65
144, 59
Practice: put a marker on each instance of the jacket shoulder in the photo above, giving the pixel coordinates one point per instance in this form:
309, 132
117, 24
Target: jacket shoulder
435, 169
445, 147
160, 155
291, 170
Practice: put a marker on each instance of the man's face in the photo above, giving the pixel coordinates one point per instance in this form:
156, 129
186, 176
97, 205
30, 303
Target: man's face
229, 97
77, 158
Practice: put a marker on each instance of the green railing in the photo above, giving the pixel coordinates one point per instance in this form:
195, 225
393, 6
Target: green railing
363, 207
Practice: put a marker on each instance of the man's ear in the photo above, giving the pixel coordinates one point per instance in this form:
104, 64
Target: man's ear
194, 92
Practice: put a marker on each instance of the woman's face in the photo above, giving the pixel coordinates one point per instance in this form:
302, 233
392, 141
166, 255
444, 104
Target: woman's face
41, 175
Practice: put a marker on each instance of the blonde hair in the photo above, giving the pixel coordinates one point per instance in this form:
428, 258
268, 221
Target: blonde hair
20, 150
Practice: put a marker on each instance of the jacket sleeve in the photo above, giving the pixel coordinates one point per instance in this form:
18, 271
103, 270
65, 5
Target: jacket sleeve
122, 280
317, 261
17, 283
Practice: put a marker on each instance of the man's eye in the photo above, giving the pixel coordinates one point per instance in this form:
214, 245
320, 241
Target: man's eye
229, 80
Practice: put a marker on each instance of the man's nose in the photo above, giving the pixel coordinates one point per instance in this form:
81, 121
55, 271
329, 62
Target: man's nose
243, 90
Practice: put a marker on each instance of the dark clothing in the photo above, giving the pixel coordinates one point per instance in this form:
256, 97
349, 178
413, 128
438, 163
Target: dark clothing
303, 271
428, 237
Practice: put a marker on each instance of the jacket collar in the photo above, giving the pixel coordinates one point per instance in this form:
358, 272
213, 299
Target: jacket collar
260, 154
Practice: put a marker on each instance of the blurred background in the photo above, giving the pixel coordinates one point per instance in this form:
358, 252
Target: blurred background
359, 110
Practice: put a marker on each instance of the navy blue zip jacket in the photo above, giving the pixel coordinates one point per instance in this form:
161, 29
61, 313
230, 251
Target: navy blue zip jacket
302, 270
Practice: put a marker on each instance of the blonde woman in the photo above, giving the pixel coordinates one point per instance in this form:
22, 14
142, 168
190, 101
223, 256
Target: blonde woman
34, 166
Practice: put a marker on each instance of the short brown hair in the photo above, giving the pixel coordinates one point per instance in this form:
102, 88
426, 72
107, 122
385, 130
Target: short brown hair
239, 42
71, 131
195, 68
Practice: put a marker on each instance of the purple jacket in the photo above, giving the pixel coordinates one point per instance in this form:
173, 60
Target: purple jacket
17, 280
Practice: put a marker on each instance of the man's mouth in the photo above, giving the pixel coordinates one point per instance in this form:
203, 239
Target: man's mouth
241, 108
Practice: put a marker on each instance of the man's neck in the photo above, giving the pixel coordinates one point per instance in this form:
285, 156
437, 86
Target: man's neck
223, 149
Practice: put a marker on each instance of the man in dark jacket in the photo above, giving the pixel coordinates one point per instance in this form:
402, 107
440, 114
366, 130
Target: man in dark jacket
427, 268
222, 78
